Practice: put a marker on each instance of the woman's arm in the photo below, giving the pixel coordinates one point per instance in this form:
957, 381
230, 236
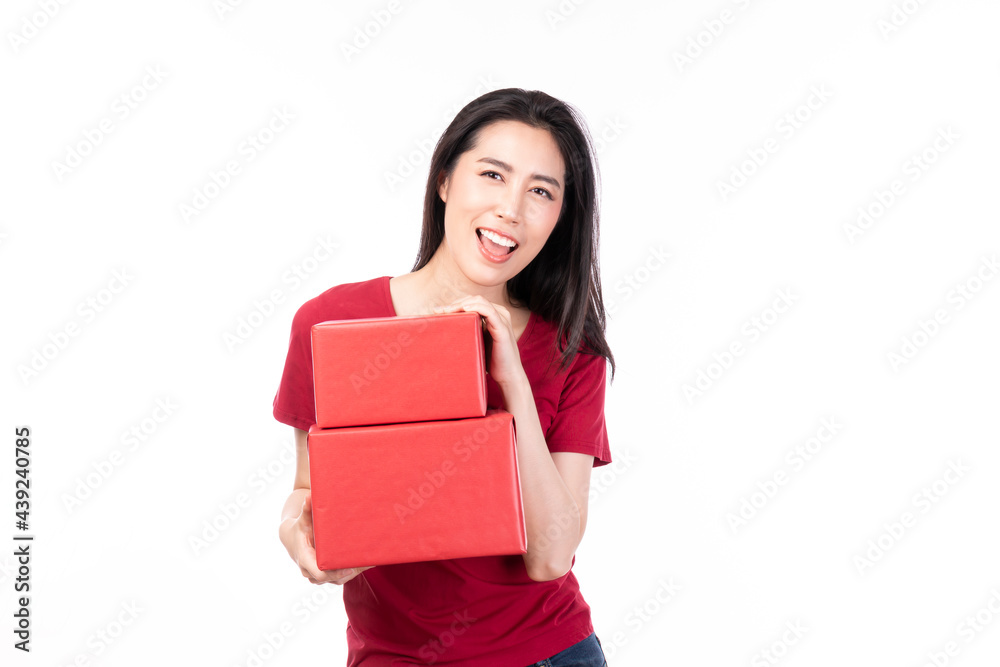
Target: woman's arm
554, 488
296, 530
300, 488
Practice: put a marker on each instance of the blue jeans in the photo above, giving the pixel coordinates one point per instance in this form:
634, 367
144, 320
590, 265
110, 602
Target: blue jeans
585, 653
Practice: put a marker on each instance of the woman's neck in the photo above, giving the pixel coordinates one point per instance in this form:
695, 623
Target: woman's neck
441, 282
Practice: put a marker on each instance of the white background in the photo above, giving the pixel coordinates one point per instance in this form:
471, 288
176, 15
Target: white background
893, 75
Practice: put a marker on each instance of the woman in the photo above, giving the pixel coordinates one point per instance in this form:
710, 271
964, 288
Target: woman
510, 231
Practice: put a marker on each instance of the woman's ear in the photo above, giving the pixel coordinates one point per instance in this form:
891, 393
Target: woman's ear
443, 187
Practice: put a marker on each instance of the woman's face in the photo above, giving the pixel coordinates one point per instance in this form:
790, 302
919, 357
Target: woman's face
511, 184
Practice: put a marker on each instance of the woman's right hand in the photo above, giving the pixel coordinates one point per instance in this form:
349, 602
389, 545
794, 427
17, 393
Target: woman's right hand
297, 536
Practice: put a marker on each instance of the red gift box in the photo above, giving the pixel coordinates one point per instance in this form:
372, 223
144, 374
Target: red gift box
385, 370
418, 491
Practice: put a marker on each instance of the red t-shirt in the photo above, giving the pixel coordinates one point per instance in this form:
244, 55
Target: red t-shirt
482, 611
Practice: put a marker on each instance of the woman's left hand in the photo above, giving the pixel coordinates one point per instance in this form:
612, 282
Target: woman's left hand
504, 364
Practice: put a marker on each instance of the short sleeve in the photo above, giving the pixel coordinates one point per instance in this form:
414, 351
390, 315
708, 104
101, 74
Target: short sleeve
578, 425
294, 402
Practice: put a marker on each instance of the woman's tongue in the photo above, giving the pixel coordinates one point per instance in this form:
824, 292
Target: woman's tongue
494, 248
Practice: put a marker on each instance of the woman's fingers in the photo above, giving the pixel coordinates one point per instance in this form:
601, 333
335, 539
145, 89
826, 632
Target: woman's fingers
338, 577
344, 575
307, 559
497, 317
305, 552
305, 521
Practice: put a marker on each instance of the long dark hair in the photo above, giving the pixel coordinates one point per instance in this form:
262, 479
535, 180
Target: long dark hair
562, 284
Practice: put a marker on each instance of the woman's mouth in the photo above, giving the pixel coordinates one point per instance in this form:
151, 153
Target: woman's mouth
495, 247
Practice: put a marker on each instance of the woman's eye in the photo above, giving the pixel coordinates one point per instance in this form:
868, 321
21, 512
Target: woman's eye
545, 193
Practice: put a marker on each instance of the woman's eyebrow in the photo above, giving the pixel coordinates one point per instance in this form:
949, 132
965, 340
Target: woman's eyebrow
503, 165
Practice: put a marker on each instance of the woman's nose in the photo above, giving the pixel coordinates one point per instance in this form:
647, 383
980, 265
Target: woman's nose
509, 206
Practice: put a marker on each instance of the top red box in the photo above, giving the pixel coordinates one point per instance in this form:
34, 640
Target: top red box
387, 370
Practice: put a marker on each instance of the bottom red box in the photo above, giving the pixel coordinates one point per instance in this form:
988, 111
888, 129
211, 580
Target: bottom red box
404, 493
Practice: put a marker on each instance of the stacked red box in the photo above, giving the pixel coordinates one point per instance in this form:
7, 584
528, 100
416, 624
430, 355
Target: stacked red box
388, 370
406, 462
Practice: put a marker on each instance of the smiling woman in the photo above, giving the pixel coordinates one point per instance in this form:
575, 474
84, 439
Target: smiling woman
516, 204
510, 231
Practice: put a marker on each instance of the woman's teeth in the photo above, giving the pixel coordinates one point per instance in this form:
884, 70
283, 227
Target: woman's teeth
507, 245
